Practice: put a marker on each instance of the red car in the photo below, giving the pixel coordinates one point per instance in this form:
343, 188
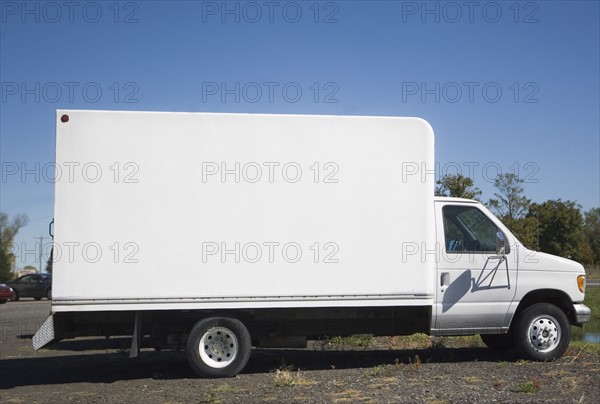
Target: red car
6, 293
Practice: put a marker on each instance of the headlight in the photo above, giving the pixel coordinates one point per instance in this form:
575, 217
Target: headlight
581, 283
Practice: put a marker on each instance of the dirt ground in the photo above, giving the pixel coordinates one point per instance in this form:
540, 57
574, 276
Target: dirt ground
415, 369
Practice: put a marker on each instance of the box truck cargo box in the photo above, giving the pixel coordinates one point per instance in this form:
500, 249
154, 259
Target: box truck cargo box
233, 230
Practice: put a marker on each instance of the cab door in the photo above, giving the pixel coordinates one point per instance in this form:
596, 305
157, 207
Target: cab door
475, 284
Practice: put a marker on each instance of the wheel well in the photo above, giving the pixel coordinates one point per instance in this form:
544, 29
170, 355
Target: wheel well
552, 296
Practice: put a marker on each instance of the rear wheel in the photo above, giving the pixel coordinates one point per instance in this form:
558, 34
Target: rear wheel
49, 294
218, 347
37, 298
498, 342
542, 332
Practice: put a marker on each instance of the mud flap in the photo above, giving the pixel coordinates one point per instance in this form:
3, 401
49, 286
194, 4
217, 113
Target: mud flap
136, 339
45, 334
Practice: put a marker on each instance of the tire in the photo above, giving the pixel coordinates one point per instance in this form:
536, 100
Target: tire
3, 301
542, 332
16, 296
49, 294
499, 342
38, 298
218, 347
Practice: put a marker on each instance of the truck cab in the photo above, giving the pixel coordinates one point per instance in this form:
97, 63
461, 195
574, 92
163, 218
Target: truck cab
489, 283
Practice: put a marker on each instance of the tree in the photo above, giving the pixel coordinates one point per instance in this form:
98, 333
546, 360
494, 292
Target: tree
457, 186
591, 228
5, 265
526, 230
560, 228
50, 261
8, 231
511, 206
510, 203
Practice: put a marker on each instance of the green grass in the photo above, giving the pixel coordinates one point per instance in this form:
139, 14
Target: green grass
588, 347
357, 341
530, 386
592, 300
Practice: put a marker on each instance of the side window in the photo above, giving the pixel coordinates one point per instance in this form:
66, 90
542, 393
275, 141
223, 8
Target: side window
26, 279
467, 229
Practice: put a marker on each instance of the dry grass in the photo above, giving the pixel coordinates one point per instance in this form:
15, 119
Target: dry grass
351, 396
415, 364
415, 341
226, 388
472, 379
286, 378
498, 383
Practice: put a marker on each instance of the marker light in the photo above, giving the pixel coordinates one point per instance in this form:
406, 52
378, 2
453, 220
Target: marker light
64, 118
581, 283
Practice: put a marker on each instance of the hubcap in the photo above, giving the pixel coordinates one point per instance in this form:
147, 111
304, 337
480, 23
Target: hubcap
218, 347
544, 333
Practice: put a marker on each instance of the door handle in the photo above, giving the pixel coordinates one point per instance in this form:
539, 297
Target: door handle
445, 279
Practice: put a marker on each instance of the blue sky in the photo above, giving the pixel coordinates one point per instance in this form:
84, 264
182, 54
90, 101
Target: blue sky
507, 86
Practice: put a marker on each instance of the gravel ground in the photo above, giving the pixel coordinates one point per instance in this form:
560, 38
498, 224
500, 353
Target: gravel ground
381, 370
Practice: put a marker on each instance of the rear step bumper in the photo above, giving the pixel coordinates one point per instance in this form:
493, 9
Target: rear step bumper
45, 334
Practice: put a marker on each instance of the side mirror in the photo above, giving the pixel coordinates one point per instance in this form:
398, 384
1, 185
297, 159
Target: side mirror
502, 247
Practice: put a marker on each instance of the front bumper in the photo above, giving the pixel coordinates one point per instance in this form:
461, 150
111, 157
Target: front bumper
583, 314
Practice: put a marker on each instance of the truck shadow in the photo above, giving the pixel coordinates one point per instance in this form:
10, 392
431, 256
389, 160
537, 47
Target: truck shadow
266, 360
113, 365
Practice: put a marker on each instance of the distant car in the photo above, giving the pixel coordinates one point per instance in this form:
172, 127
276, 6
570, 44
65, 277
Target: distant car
32, 285
6, 293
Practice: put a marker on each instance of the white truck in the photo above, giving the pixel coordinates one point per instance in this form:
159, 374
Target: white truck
229, 231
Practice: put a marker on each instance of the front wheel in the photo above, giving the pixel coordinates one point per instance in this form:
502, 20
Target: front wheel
218, 347
542, 332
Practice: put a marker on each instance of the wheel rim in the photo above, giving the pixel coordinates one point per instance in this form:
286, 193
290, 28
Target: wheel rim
544, 333
218, 347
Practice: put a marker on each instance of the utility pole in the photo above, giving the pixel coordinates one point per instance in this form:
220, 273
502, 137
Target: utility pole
41, 238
